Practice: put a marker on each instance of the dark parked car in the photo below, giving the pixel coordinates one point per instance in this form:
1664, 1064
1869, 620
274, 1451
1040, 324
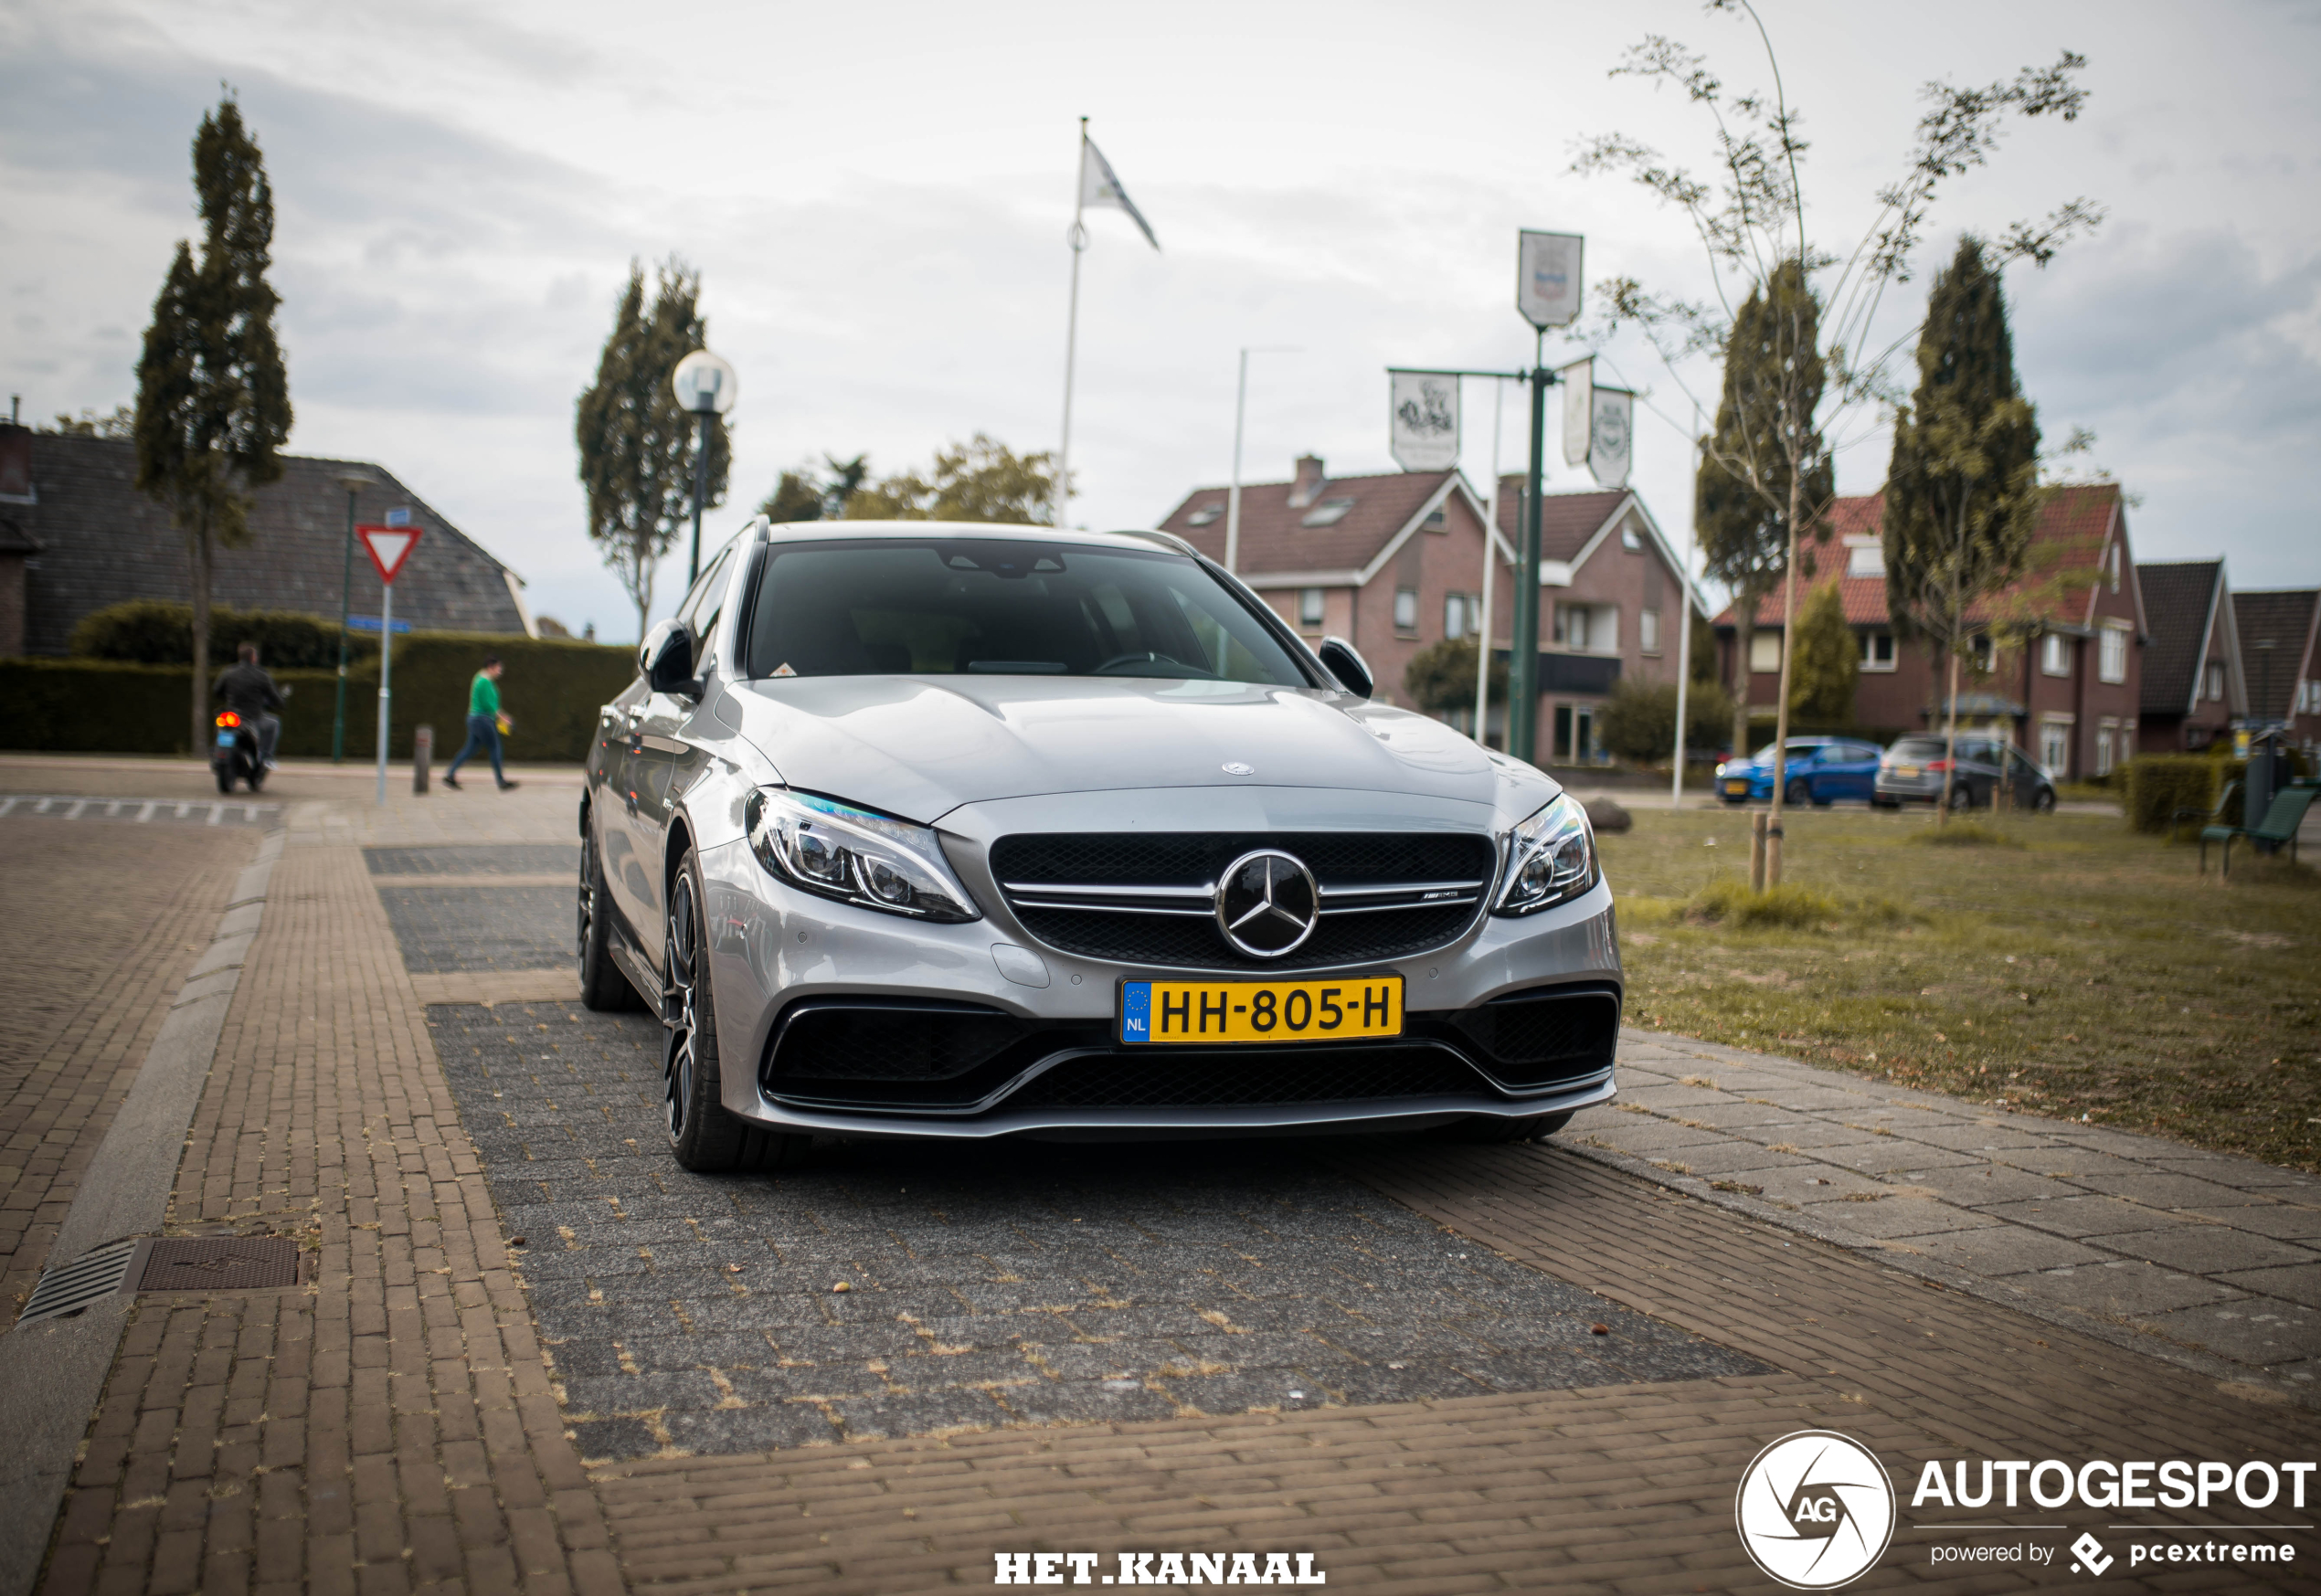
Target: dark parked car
1912, 770
1820, 770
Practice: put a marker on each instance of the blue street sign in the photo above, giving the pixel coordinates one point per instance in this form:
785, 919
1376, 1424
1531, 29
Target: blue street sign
370, 623
398, 517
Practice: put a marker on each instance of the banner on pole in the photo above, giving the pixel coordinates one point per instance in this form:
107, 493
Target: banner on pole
1612, 438
1547, 277
1422, 423
1578, 381
388, 548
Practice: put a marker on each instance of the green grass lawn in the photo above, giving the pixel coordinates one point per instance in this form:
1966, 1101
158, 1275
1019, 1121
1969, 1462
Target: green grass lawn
2076, 968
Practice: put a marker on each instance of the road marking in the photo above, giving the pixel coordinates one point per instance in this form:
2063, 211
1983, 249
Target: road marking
72, 807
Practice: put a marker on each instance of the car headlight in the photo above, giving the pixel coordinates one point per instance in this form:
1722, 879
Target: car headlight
1719, 767
1551, 859
855, 856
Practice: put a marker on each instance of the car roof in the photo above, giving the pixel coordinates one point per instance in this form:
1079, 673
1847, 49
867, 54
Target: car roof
819, 531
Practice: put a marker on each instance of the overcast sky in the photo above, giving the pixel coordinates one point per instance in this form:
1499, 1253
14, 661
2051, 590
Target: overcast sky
878, 198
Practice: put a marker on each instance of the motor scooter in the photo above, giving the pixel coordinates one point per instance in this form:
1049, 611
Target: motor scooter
234, 756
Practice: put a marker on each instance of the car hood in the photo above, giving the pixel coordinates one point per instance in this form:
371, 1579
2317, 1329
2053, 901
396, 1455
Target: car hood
919, 746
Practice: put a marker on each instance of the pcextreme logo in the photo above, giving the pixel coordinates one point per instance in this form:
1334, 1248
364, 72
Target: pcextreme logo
1815, 1510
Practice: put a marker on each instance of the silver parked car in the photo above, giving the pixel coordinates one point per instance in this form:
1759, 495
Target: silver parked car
930, 830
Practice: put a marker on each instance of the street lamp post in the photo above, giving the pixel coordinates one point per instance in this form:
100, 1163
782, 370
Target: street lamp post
706, 386
353, 482
1240, 411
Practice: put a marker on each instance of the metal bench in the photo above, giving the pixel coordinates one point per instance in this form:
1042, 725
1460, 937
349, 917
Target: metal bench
2279, 824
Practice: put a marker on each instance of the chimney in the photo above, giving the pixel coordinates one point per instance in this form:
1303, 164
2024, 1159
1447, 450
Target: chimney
1308, 487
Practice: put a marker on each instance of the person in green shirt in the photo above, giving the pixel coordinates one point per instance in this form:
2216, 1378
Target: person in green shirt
484, 726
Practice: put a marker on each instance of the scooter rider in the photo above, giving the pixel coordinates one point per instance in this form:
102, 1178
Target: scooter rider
250, 693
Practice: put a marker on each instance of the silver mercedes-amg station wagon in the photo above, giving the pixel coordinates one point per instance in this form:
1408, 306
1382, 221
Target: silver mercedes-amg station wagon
925, 828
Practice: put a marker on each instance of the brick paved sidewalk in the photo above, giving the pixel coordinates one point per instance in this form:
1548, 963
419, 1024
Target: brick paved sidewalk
101, 930
2213, 1260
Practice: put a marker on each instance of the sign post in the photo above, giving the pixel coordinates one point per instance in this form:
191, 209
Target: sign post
388, 548
1547, 291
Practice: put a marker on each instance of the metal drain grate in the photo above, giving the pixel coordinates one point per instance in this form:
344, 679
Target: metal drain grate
72, 1287
220, 1263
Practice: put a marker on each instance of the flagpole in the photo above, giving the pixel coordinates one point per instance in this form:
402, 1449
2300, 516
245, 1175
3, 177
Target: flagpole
1079, 241
1490, 558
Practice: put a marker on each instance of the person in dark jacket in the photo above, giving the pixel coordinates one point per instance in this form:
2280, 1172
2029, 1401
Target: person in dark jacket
250, 693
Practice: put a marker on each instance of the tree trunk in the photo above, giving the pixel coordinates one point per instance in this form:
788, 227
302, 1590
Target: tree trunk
197, 559
1950, 752
1788, 655
1745, 631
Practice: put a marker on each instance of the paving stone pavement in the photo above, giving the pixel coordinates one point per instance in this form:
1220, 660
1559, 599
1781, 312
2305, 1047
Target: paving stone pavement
560, 859
2210, 1259
986, 1286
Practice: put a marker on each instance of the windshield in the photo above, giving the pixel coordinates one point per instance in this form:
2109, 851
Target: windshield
1003, 608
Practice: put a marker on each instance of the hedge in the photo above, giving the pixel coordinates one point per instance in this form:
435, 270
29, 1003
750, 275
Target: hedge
552, 689
2160, 784
154, 632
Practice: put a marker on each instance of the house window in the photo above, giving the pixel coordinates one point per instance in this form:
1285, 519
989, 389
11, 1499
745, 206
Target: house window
1204, 515
2115, 567
1405, 609
1648, 631
1435, 522
1588, 629
1309, 606
1877, 650
1979, 652
1461, 615
2216, 682
1865, 559
2104, 730
1329, 512
1631, 537
1765, 653
2112, 664
2055, 748
2055, 654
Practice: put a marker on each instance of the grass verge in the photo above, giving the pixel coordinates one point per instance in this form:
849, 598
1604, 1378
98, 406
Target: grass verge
2077, 969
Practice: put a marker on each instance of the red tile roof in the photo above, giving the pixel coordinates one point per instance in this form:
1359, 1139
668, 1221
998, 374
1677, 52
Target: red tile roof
2064, 551
1274, 538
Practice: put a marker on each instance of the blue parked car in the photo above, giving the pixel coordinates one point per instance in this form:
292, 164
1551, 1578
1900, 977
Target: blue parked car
1821, 770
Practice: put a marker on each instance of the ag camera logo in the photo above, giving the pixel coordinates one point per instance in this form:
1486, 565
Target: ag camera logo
1815, 1510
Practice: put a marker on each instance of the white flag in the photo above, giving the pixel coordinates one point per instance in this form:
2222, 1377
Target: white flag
1578, 383
1547, 277
1423, 420
1612, 441
1099, 187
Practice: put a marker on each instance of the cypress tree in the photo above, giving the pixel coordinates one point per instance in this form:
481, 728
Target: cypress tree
1764, 466
1961, 487
636, 446
213, 401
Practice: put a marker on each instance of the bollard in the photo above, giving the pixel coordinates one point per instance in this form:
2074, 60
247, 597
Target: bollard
422, 754
1756, 850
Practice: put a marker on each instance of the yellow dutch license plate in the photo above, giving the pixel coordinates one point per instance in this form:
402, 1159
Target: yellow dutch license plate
1906, 771
1736, 786
1337, 1009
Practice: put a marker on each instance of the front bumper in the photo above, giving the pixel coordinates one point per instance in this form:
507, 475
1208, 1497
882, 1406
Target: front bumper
776, 952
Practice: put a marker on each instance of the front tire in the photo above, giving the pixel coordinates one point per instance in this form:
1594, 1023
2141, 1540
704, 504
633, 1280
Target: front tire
705, 1137
2043, 801
1800, 792
602, 985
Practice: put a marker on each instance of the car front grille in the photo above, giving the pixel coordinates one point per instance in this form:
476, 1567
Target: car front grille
1535, 1039
1149, 899
1146, 1079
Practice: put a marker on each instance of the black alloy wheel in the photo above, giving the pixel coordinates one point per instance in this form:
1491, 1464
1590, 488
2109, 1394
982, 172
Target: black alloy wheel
602, 985
2043, 801
706, 1136
1800, 791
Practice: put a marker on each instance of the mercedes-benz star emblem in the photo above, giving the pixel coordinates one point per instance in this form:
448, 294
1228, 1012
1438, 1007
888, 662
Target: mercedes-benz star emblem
1237, 769
1267, 903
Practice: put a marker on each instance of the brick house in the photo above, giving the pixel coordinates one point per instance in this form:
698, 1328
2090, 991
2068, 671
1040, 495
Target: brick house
2193, 691
80, 536
1393, 563
2280, 632
2071, 698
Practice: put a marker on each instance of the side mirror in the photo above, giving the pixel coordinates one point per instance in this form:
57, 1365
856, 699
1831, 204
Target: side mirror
666, 658
1339, 658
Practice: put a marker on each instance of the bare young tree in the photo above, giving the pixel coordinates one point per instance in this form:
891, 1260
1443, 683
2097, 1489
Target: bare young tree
1815, 345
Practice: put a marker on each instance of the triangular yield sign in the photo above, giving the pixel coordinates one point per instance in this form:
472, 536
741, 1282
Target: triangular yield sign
388, 548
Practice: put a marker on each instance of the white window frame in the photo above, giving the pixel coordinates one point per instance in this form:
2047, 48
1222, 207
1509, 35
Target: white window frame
2055, 745
2105, 729
2212, 681
2054, 654
1647, 631
2112, 663
1311, 605
1406, 599
1870, 660
1983, 652
1631, 539
1761, 643
1865, 559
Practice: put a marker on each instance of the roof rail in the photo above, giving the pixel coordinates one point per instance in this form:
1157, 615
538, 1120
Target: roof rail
1167, 539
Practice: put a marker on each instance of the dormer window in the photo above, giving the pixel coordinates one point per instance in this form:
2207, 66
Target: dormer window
1865, 558
1329, 512
1204, 515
